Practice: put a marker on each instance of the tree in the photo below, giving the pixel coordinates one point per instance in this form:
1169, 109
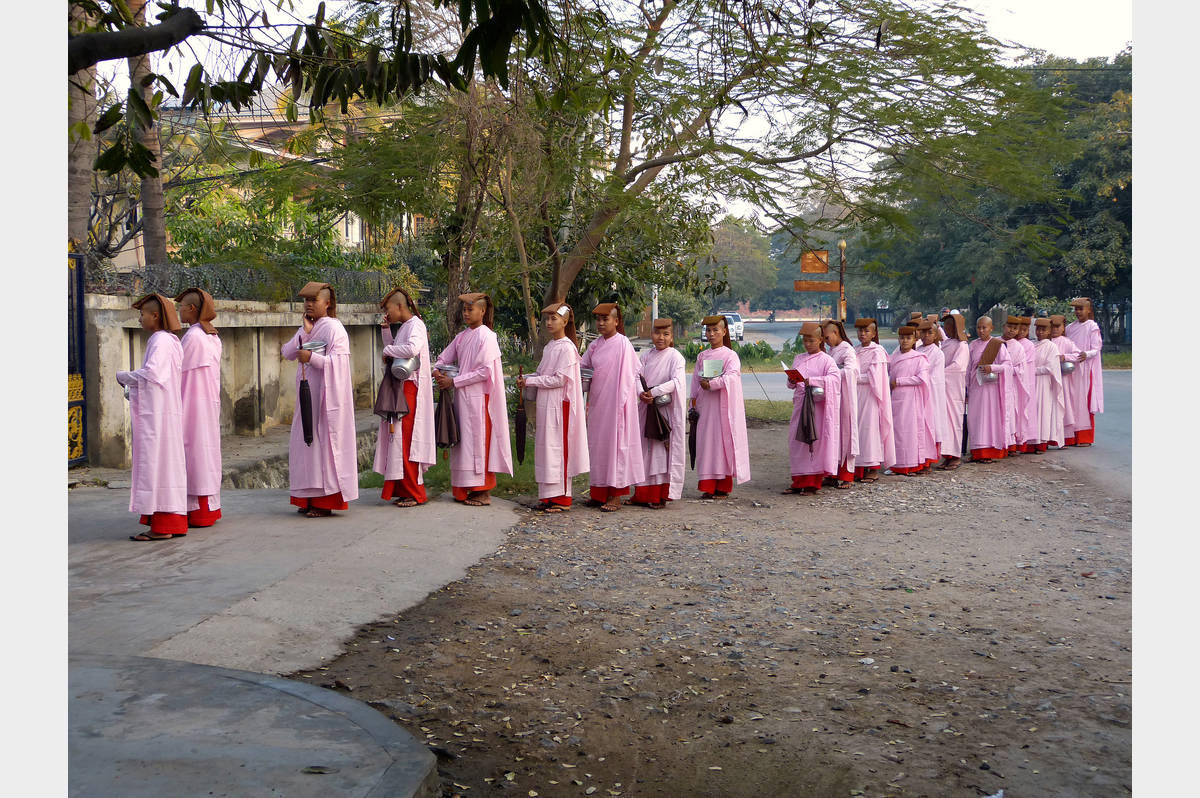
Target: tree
324, 62
742, 255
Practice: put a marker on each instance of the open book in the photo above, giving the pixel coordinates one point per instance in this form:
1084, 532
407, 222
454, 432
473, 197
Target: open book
792, 374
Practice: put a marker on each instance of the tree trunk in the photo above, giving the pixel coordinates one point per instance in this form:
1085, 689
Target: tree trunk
81, 149
154, 229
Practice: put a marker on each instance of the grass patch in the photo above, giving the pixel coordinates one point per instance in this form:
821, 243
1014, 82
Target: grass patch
1117, 360
764, 410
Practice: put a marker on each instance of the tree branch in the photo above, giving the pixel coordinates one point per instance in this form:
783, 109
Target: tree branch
89, 49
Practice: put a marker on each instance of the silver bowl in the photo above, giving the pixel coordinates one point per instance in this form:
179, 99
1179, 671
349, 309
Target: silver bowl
586, 378
1067, 367
817, 393
314, 346
449, 369
662, 400
991, 376
403, 368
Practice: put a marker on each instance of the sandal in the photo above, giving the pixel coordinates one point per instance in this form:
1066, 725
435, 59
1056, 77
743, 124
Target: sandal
658, 506
611, 507
143, 537
842, 485
317, 512
406, 501
720, 495
706, 496
552, 508
872, 478
790, 491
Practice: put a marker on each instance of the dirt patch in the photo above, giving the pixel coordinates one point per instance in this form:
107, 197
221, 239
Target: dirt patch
947, 634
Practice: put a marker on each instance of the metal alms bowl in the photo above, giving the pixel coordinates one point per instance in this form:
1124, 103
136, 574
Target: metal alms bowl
585, 375
817, 393
991, 376
1067, 367
662, 400
314, 346
449, 369
403, 368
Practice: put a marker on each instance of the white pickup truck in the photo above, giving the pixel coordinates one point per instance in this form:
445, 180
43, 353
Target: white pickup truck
737, 328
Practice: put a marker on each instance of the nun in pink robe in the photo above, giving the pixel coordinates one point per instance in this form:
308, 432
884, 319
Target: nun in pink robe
937, 383
1069, 354
404, 477
484, 448
201, 393
1019, 388
560, 445
987, 425
1089, 374
812, 463
158, 483
665, 372
912, 407
1028, 426
323, 476
876, 444
957, 357
614, 437
844, 356
722, 445
1048, 404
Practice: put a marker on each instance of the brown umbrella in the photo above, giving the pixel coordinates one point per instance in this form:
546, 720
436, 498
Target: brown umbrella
520, 420
657, 428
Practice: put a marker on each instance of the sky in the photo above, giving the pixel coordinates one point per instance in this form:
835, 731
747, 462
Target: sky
1076, 29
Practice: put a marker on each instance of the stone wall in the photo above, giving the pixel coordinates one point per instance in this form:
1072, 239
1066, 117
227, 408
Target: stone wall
257, 384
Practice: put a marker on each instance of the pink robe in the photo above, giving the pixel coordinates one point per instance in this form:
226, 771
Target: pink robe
722, 445
957, 357
1019, 392
1028, 421
1048, 404
480, 374
847, 362
330, 464
158, 483
557, 380
1068, 349
822, 456
666, 375
411, 339
987, 402
201, 394
876, 444
614, 437
937, 386
1086, 336
912, 409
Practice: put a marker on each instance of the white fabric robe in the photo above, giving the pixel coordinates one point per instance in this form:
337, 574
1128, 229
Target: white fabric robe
665, 460
557, 380
158, 483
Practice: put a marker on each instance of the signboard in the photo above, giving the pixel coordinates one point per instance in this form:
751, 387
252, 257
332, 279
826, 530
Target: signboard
816, 285
815, 261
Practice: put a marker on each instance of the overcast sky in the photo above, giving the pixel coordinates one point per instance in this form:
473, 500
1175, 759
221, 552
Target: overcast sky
1076, 29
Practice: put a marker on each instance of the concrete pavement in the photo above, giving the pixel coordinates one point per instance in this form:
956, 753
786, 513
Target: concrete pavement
265, 591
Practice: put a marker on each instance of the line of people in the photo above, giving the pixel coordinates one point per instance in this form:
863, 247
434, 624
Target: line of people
856, 411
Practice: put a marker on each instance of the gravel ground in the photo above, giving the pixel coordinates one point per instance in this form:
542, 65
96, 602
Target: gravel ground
951, 634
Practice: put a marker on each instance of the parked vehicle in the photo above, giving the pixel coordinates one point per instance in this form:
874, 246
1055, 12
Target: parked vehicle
737, 328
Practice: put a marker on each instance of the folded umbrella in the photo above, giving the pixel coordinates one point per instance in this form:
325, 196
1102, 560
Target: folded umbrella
305, 400
445, 420
806, 428
693, 418
520, 420
658, 428
390, 403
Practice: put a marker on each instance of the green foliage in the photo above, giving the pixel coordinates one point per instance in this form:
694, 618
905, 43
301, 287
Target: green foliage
682, 307
741, 254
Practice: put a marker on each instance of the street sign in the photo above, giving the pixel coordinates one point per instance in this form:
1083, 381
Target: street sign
815, 261
816, 285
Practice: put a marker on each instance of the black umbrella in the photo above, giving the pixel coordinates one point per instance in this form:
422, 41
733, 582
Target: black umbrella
520, 421
658, 428
445, 420
390, 403
693, 417
305, 408
806, 427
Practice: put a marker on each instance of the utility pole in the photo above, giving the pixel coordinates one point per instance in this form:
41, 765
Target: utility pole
842, 283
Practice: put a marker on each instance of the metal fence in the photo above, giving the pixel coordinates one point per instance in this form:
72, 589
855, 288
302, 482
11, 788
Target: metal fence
263, 285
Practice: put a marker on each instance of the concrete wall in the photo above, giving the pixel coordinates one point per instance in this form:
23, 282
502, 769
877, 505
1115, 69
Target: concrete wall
257, 384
